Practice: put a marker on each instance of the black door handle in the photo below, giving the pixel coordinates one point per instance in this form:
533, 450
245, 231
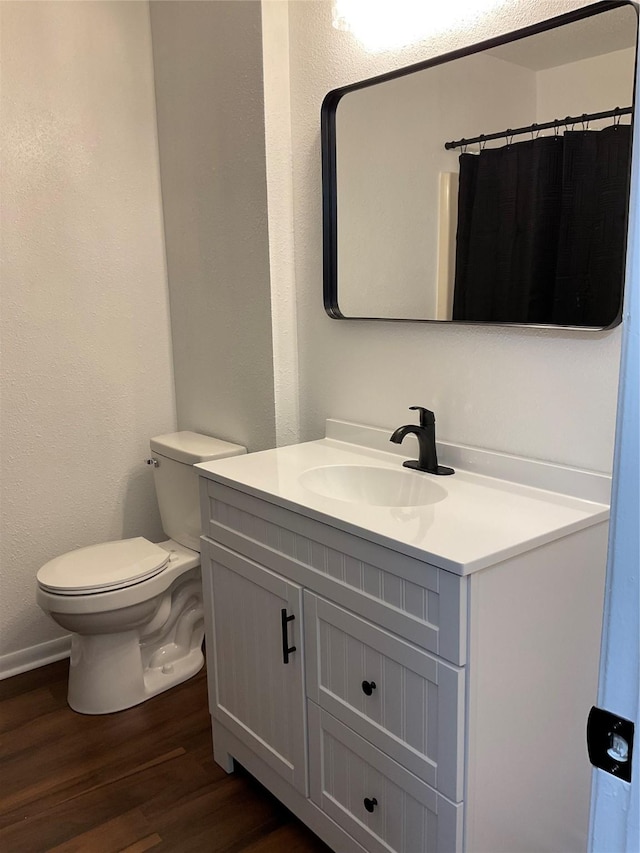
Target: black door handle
368, 687
286, 648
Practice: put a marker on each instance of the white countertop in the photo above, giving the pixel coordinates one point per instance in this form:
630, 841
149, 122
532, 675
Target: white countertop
482, 519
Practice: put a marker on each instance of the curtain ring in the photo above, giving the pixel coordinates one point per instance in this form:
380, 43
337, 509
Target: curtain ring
534, 129
482, 143
509, 136
617, 118
463, 146
585, 122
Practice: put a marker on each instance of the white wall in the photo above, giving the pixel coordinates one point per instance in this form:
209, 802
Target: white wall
86, 368
87, 353
281, 213
209, 93
589, 85
544, 394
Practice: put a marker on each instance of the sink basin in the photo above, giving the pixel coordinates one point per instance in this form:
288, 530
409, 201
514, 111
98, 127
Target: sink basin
372, 485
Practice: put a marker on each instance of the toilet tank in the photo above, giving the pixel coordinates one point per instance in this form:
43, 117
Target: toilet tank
176, 480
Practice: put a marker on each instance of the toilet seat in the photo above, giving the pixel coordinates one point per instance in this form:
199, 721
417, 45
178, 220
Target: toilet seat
102, 568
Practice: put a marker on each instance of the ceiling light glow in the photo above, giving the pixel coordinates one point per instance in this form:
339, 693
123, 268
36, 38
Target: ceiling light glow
387, 24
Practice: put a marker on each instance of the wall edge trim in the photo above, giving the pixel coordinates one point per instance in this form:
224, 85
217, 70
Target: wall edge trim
32, 657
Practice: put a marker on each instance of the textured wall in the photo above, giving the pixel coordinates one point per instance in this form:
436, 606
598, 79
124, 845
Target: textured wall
86, 366
277, 114
544, 394
209, 92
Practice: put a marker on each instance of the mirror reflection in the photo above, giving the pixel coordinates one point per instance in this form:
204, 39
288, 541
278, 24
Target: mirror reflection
489, 188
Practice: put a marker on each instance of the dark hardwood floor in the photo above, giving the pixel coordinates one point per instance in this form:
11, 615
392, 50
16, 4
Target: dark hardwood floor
142, 779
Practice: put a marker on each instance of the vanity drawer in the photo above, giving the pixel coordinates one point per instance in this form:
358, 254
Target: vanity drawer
383, 806
411, 598
402, 699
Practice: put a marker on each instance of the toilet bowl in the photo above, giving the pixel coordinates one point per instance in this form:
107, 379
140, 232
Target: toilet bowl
133, 607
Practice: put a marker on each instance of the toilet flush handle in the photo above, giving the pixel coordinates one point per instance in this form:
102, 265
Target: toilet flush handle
153, 462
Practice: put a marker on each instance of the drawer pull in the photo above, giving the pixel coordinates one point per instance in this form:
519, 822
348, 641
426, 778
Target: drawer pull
370, 804
368, 687
286, 648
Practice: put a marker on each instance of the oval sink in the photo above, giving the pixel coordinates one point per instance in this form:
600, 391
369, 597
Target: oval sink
368, 484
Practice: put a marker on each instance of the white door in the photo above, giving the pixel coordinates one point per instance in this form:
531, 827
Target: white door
615, 803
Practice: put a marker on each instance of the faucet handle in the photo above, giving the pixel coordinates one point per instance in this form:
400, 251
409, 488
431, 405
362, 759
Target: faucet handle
427, 418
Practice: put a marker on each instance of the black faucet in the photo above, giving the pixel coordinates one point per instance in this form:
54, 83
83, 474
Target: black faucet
426, 435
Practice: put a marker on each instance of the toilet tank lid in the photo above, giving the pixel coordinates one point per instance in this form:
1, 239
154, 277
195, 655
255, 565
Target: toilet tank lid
191, 447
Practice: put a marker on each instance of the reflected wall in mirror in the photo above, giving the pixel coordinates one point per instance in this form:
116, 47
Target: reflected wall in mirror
524, 228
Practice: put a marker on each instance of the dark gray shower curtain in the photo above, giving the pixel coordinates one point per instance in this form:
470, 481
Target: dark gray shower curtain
541, 230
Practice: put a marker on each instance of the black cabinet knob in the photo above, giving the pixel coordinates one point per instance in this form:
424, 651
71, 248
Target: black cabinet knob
368, 687
370, 804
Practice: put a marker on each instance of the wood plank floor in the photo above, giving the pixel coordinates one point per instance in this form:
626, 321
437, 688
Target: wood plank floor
142, 779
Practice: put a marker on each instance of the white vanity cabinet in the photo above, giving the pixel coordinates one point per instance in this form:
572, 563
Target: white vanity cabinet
422, 711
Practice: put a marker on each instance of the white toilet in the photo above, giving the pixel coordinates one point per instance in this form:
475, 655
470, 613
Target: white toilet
135, 608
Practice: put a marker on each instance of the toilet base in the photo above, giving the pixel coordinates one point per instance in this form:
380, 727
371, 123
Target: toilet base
106, 673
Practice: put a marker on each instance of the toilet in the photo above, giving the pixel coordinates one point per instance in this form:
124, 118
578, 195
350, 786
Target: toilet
133, 607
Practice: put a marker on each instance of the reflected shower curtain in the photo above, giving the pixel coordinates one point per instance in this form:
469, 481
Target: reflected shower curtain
541, 230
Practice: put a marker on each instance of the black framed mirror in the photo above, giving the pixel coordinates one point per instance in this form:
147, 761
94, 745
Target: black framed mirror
488, 185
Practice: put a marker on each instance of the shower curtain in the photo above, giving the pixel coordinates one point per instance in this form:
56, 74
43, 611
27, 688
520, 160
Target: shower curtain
541, 230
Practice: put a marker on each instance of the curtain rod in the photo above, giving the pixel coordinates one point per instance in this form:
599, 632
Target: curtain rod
533, 128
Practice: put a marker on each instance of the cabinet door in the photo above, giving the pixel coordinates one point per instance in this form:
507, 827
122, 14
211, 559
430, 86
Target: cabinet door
256, 685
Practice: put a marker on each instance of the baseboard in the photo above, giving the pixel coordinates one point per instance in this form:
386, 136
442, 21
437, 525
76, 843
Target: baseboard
34, 656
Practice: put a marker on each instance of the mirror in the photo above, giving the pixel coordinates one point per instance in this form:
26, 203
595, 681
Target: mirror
489, 185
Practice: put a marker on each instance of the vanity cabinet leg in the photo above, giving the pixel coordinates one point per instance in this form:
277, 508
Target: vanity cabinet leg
222, 757
220, 754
